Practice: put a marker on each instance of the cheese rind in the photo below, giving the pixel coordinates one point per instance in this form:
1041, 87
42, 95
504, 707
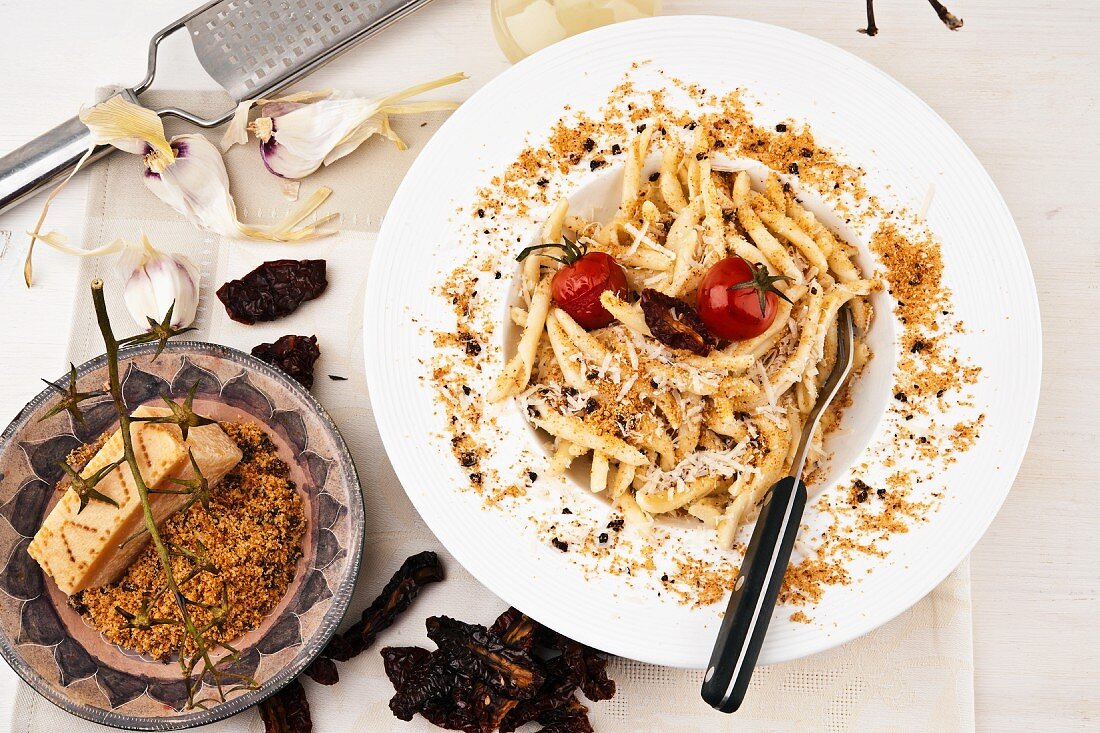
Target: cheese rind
83, 549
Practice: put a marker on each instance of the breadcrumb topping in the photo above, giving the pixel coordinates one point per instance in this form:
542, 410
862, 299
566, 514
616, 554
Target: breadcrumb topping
252, 534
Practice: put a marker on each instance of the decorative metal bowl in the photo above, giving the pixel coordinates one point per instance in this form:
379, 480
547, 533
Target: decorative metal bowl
70, 663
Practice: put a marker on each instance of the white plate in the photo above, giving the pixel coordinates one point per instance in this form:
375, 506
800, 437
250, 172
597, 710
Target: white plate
850, 105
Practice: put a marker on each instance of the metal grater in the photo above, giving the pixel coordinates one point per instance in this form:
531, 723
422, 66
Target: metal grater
252, 48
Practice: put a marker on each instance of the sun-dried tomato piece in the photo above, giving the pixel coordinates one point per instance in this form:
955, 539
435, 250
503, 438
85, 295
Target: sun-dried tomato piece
323, 671
477, 653
287, 711
403, 588
515, 629
576, 724
398, 594
272, 290
555, 694
338, 649
432, 680
293, 354
482, 680
675, 323
586, 668
400, 661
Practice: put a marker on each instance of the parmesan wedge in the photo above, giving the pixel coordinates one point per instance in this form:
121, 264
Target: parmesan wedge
85, 550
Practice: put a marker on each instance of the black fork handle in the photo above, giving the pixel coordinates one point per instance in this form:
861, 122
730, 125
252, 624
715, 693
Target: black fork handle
755, 591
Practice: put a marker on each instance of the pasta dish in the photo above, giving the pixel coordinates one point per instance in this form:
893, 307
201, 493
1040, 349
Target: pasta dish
682, 343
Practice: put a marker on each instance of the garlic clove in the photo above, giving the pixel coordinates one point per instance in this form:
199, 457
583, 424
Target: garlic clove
236, 132
197, 185
156, 281
300, 138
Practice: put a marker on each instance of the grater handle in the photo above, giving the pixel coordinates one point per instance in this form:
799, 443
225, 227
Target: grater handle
49, 157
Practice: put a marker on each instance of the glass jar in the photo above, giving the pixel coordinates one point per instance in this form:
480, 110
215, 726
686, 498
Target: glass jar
525, 26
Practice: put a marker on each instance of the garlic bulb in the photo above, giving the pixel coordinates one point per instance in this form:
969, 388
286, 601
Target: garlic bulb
300, 133
188, 173
156, 281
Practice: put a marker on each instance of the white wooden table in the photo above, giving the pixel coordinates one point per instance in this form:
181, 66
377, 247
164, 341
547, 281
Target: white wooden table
1020, 83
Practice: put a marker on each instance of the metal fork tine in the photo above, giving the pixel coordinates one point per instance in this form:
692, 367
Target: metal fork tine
845, 357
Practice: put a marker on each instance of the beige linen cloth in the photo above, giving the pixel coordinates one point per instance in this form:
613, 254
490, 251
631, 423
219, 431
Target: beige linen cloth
914, 674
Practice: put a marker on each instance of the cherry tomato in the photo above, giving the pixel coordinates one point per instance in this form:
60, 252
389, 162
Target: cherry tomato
577, 286
738, 300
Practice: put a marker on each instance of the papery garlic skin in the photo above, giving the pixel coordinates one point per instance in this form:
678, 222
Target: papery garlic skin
156, 280
297, 137
188, 173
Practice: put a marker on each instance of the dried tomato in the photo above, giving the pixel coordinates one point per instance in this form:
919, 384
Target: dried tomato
287, 711
399, 661
403, 588
587, 669
515, 629
675, 323
481, 680
323, 671
575, 724
431, 681
272, 290
293, 354
481, 655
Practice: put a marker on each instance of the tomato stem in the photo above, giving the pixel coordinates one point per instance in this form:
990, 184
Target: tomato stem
763, 282
571, 251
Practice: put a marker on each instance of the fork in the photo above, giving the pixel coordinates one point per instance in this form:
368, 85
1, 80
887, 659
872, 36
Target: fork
757, 585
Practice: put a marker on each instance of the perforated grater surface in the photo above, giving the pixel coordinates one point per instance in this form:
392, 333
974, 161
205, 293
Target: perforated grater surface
252, 48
